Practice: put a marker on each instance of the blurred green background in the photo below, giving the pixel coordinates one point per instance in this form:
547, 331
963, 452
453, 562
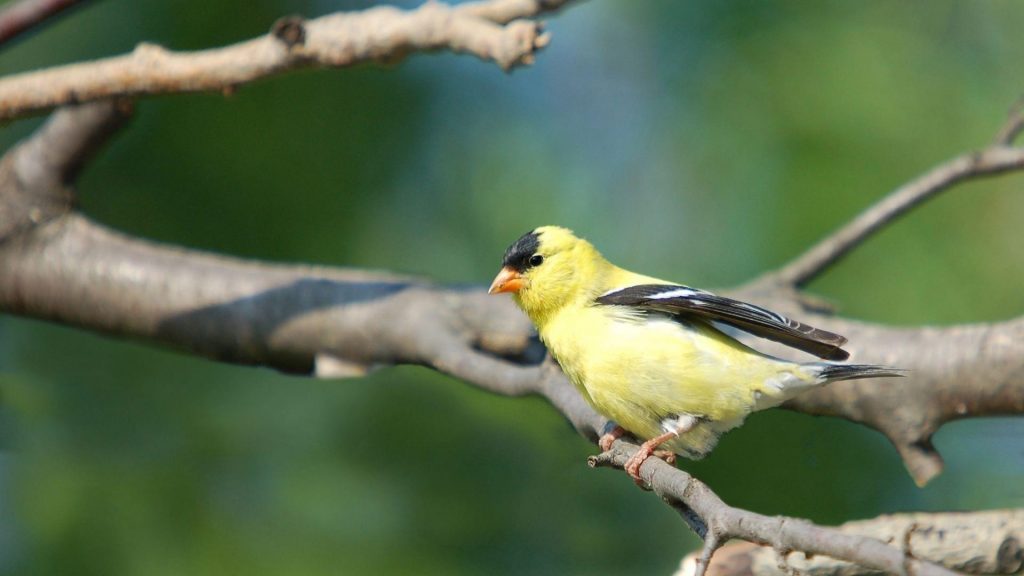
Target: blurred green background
705, 141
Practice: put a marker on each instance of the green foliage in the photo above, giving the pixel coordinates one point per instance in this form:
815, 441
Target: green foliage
705, 141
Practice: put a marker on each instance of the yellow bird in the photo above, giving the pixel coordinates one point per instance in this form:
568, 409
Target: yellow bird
647, 353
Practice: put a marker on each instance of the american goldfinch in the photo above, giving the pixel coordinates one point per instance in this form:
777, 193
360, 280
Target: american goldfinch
647, 353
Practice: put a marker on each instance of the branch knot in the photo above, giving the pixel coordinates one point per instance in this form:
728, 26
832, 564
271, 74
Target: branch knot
291, 30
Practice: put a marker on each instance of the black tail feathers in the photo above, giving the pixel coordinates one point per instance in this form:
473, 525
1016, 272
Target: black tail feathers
834, 372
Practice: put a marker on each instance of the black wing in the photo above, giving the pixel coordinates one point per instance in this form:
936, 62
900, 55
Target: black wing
758, 321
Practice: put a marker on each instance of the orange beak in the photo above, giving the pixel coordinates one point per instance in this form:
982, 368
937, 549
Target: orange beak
508, 280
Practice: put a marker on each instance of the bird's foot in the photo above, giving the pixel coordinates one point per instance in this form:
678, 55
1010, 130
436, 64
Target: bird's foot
607, 439
666, 455
632, 466
648, 449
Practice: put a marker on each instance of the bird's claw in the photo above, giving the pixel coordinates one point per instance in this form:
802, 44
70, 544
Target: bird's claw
632, 466
666, 455
646, 450
607, 439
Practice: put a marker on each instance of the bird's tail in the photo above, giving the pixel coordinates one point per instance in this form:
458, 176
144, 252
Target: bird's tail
832, 372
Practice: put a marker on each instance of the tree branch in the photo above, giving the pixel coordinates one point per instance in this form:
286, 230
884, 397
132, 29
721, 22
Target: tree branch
505, 11
955, 372
976, 542
717, 522
1013, 127
996, 159
488, 30
961, 371
36, 177
22, 15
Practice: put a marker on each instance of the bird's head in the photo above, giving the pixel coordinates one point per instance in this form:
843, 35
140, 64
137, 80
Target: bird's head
547, 269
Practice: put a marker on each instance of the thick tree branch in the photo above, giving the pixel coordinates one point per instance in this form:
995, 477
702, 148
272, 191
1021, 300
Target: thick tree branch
22, 15
285, 317
996, 159
488, 30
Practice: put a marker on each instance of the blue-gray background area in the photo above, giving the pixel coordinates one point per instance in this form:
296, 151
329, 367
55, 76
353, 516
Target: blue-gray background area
705, 141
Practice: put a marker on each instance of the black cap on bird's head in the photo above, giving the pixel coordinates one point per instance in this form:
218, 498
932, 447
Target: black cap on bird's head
517, 256
523, 259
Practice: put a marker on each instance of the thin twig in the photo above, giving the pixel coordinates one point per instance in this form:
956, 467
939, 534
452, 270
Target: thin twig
1013, 126
22, 15
995, 159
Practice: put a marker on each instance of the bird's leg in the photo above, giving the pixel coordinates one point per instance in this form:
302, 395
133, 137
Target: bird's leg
609, 437
632, 466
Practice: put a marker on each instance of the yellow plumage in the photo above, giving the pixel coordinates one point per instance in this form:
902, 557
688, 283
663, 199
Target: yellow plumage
649, 369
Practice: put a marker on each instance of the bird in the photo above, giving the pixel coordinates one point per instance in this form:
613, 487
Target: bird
653, 356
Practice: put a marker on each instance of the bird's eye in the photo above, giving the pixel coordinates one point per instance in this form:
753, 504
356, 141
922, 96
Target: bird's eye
536, 260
